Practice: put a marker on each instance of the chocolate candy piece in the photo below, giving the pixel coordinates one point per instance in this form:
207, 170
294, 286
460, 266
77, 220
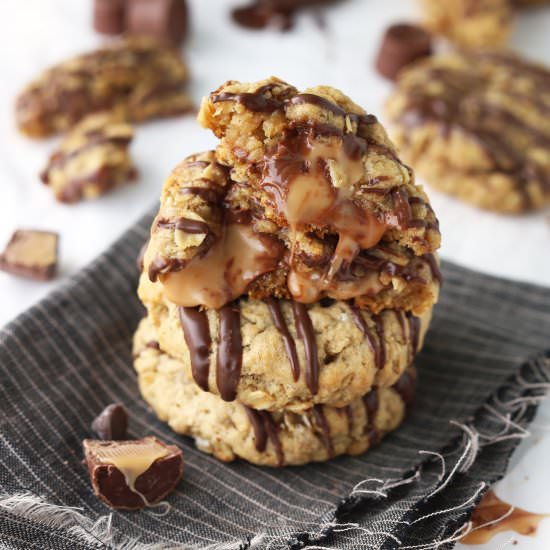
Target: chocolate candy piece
278, 13
166, 20
402, 44
112, 423
31, 253
109, 16
130, 475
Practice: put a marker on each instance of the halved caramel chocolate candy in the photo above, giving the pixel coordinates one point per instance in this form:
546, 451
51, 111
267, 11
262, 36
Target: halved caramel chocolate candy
130, 475
31, 253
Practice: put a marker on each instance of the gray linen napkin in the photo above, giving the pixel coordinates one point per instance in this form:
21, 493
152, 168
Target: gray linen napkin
63, 360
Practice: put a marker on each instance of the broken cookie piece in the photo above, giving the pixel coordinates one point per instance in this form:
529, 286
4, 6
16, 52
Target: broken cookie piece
91, 160
32, 254
130, 475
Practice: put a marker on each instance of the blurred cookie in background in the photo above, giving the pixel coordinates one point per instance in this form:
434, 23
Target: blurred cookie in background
475, 126
137, 77
474, 23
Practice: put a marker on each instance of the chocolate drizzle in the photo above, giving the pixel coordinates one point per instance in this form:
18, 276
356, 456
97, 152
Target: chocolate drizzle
256, 101
359, 320
230, 351
194, 227
288, 341
414, 332
304, 329
265, 427
322, 423
406, 388
377, 345
196, 332
371, 403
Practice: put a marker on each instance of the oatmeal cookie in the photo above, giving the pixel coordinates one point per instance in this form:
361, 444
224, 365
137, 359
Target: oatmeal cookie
215, 239
474, 23
232, 430
279, 354
137, 77
91, 160
475, 126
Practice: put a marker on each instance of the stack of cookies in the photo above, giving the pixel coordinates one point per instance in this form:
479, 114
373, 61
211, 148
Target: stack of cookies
289, 280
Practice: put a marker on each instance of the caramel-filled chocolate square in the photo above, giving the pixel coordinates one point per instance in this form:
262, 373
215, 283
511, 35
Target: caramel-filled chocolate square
32, 254
130, 475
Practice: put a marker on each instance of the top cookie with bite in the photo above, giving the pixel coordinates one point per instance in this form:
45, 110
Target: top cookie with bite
309, 193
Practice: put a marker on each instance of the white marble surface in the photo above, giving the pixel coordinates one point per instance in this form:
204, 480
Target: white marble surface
36, 34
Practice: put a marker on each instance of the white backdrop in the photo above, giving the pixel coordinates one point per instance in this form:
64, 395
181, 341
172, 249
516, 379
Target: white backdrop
38, 33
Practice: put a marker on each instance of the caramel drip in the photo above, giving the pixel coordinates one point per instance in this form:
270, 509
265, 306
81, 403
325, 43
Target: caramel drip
196, 332
298, 177
322, 423
230, 351
194, 227
371, 404
288, 341
489, 510
132, 460
265, 427
225, 270
361, 324
406, 388
304, 329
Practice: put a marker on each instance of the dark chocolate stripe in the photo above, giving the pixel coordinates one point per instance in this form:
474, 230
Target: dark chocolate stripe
379, 326
196, 332
318, 101
207, 194
152, 344
191, 163
260, 433
321, 421
59, 159
371, 403
230, 351
406, 388
288, 341
264, 427
361, 324
253, 101
401, 207
414, 332
304, 328
194, 227
273, 434
349, 414
434, 268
